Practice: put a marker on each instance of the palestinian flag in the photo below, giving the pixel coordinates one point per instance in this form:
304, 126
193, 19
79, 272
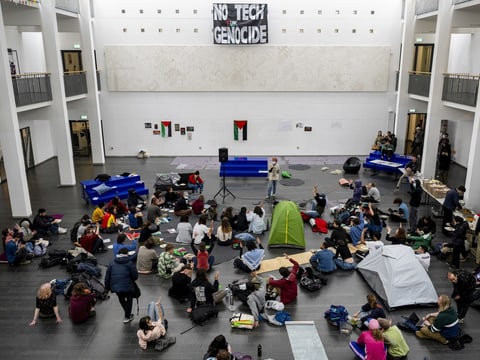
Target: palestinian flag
166, 128
239, 126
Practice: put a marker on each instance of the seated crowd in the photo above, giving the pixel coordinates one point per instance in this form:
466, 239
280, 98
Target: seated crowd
134, 256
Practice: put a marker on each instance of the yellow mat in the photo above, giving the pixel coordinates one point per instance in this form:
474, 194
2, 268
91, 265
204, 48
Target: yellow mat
276, 263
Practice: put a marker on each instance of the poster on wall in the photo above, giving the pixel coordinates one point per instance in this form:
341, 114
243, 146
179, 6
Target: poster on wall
177, 127
240, 128
240, 24
182, 131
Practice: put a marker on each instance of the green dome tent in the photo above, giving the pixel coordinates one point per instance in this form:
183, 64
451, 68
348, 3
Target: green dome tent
287, 227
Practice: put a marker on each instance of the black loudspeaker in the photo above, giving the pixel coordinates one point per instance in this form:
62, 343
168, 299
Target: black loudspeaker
223, 155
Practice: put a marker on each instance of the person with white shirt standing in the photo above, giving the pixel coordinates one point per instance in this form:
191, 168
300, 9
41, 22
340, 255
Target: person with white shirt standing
273, 177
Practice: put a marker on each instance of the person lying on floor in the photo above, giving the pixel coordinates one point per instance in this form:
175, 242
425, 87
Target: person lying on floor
153, 327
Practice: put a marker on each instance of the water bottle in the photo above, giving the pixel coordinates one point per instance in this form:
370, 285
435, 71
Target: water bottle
259, 350
230, 300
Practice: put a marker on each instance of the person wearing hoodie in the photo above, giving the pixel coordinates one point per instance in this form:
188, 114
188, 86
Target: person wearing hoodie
119, 278
256, 300
252, 258
135, 200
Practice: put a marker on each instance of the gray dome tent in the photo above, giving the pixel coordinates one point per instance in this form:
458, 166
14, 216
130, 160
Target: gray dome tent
397, 277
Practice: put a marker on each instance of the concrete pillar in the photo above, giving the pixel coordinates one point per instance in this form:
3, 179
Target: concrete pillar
435, 109
472, 196
57, 113
10, 137
92, 101
403, 99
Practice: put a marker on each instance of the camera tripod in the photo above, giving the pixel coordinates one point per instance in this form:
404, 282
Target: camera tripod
223, 192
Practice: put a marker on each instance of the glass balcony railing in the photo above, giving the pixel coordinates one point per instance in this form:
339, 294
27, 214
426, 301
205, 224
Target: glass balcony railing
67, 5
460, 88
419, 83
31, 88
425, 6
75, 83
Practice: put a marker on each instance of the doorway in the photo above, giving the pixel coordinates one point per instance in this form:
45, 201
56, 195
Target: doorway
423, 59
415, 120
80, 134
72, 60
26, 137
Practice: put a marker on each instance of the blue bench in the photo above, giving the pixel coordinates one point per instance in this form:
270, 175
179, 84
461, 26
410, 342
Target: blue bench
244, 167
375, 162
118, 186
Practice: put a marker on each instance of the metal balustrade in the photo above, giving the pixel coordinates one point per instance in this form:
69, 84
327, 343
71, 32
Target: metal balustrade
75, 83
67, 5
425, 6
460, 88
419, 83
31, 88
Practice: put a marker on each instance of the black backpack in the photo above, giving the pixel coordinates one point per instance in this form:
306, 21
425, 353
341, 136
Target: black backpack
202, 313
310, 281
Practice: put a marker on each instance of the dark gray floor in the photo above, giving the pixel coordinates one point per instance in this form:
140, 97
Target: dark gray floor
106, 337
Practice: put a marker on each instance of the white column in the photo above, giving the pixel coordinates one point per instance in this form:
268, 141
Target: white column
92, 101
57, 112
435, 110
10, 136
403, 100
472, 196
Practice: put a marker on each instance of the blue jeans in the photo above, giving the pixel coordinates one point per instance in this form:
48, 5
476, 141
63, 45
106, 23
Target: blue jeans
345, 265
272, 187
196, 187
152, 311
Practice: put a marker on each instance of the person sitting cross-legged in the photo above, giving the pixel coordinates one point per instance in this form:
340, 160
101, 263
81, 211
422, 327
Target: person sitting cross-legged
252, 258
168, 264
442, 325
322, 260
288, 283
203, 258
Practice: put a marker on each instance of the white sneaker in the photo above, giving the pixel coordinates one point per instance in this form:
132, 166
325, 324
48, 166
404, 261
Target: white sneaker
62, 230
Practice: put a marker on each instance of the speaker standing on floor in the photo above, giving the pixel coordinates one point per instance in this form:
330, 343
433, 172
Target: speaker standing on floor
223, 155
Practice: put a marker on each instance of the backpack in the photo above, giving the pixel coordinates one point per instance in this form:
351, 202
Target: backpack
239, 289
82, 258
102, 177
202, 313
55, 257
93, 283
310, 281
336, 315
39, 250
